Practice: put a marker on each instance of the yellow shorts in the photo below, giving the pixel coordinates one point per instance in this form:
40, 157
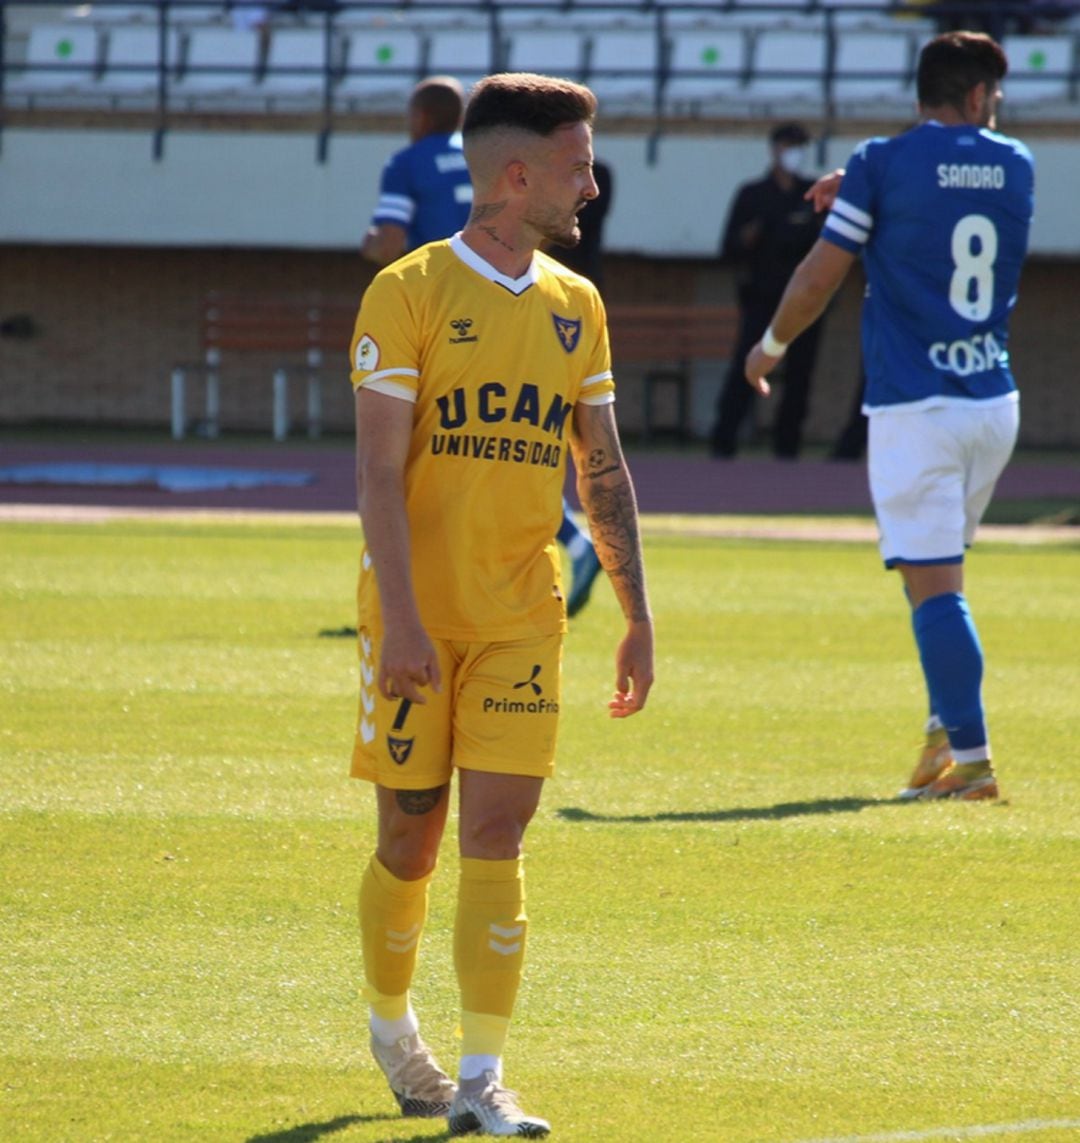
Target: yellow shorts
498, 711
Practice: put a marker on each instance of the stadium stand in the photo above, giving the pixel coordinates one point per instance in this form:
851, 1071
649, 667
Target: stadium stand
681, 58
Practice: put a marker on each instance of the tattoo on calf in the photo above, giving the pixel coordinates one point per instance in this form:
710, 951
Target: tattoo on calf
417, 802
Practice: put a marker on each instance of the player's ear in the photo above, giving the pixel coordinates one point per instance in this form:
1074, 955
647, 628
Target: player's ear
517, 175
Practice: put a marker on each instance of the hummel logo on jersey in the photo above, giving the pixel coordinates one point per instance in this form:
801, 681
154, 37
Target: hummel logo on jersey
531, 682
569, 331
461, 327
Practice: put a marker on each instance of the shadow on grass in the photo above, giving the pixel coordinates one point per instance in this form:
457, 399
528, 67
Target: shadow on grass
310, 1132
746, 814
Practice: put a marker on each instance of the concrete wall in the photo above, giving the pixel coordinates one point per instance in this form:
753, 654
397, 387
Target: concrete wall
265, 189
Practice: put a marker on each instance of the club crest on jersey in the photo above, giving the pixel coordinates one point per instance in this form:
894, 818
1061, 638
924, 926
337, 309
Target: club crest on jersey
400, 748
569, 331
367, 354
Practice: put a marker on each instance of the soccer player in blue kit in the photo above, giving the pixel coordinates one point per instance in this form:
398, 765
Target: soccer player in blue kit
940, 215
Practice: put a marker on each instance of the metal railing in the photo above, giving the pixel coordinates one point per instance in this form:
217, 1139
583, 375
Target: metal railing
492, 24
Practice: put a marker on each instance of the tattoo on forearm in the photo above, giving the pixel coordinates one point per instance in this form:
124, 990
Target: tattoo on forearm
417, 802
600, 464
607, 494
613, 519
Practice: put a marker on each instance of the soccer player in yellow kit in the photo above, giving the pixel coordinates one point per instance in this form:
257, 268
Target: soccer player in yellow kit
477, 362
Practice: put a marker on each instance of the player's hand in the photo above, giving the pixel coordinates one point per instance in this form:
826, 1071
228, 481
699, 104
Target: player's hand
633, 670
408, 662
758, 364
823, 193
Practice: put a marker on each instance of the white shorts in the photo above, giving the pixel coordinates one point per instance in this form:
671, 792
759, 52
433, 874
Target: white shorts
932, 473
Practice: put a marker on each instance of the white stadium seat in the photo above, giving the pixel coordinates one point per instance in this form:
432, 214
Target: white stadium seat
383, 67
131, 61
62, 59
547, 51
466, 53
788, 67
706, 66
295, 65
633, 51
1039, 68
221, 62
872, 66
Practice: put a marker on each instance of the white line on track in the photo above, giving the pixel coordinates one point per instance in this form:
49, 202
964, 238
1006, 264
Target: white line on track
979, 1131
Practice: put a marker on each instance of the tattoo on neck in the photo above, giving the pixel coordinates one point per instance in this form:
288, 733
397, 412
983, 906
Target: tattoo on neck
491, 233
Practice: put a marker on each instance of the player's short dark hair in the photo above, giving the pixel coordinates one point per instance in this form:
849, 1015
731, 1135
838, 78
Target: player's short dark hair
952, 64
540, 104
441, 98
790, 134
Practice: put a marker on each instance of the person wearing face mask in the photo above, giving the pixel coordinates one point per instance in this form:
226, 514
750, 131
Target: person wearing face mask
770, 229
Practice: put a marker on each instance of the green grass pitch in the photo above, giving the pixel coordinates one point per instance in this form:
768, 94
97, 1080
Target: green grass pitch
736, 935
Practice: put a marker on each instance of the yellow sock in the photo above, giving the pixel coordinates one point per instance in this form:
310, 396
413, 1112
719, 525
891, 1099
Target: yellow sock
489, 950
392, 915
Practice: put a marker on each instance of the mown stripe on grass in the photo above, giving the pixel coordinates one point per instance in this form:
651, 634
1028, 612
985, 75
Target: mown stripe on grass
978, 1131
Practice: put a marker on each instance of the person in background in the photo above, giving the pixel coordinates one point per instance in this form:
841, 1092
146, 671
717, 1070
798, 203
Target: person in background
770, 229
940, 215
426, 194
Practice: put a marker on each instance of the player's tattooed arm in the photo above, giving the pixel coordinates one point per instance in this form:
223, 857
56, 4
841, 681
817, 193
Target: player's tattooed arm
607, 493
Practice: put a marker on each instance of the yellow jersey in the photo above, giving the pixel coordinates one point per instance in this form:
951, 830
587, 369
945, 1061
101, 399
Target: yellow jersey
493, 367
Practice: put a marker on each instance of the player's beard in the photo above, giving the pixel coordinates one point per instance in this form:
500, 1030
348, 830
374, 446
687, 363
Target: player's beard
553, 227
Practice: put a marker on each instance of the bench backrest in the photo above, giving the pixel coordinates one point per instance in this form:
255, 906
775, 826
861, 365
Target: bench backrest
671, 334
306, 326
311, 326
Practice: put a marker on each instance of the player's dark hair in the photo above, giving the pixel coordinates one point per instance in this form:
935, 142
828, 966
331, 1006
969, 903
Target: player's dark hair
441, 99
952, 64
540, 104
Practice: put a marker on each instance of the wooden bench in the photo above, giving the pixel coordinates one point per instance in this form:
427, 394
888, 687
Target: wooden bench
295, 331
667, 339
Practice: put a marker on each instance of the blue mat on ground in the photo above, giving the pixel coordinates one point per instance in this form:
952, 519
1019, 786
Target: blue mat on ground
168, 477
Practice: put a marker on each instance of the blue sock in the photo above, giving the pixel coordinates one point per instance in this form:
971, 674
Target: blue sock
933, 722
570, 535
952, 662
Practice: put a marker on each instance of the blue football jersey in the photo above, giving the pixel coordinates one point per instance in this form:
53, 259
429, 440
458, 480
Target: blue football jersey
425, 187
941, 217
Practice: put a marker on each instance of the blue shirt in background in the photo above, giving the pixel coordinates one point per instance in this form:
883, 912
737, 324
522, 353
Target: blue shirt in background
425, 187
941, 216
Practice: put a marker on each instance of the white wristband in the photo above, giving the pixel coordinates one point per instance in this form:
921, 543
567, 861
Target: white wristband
771, 346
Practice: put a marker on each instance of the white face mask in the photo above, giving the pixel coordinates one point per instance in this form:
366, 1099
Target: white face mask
791, 159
